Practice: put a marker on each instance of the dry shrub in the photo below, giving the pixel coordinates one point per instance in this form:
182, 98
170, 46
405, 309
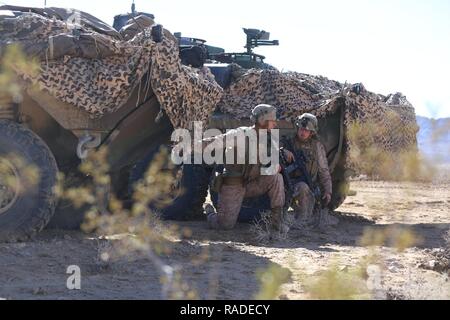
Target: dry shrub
142, 231
271, 280
370, 154
336, 284
29, 173
397, 237
13, 60
264, 232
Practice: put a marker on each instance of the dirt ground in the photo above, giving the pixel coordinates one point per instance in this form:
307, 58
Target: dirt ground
37, 269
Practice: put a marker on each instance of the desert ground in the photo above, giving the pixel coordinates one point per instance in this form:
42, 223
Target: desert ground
226, 264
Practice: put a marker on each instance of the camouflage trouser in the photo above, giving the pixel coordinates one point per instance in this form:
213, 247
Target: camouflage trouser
232, 196
304, 201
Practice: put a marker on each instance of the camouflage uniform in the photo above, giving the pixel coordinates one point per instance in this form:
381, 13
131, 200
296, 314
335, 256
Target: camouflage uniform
242, 181
317, 167
231, 196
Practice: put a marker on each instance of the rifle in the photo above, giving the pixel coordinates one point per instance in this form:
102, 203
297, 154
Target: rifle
289, 184
300, 160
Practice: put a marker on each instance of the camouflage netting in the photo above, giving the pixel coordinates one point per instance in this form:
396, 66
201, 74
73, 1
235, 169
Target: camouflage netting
96, 68
393, 117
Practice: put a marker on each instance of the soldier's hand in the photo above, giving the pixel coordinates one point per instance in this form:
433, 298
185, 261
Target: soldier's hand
279, 168
289, 156
327, 199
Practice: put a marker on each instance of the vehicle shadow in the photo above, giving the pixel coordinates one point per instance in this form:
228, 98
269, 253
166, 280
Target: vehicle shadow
37, 270
228, 273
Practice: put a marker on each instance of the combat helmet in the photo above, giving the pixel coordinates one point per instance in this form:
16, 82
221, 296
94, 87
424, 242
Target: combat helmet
264, 112
307, 121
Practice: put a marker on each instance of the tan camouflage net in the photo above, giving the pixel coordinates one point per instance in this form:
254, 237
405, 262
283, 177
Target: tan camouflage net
97, 72
393, 117
96, 69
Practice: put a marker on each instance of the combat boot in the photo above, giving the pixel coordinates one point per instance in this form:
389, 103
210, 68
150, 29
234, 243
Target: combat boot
211, 216
277, 220
323, 218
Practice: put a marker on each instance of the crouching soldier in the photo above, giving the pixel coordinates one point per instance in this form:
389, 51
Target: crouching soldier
240, 181
318, 182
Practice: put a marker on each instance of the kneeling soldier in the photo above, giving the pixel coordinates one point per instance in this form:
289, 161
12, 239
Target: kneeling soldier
307, 143
240, 181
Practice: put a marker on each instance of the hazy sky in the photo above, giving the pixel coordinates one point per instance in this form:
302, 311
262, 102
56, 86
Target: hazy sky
388, 45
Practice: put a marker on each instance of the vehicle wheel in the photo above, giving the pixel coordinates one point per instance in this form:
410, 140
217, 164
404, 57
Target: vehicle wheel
28, 177
189, 191
67, 216
191, 194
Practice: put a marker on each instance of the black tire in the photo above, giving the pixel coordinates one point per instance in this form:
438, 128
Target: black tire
193, 192
190, 192
34, 200
67, 216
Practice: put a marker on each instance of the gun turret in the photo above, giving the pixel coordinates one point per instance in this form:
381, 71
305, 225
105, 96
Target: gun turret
256, 38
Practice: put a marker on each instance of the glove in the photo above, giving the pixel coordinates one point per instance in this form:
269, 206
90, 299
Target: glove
326, 199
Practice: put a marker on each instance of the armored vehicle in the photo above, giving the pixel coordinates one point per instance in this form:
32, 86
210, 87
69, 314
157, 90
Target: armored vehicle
56, 122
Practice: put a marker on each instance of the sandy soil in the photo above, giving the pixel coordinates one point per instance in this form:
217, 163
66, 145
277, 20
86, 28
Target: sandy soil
37, 269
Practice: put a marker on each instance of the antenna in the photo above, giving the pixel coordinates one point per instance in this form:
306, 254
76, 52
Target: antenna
133, 8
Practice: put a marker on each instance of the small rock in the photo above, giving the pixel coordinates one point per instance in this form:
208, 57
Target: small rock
393, 269
432, 264
343, 268
395, 264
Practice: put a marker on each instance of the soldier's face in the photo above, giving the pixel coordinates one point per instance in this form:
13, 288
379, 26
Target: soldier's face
304, 134
268, 125
271, 125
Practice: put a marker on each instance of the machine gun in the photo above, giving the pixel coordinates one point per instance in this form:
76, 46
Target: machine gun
256, 38
248, 59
